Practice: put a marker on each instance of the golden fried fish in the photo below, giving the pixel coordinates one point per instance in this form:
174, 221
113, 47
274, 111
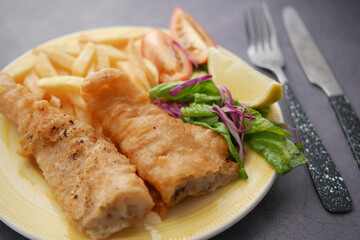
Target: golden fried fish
95, 185
178, 159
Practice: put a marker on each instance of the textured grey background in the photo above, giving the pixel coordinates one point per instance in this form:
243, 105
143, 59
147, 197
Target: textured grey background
291, 209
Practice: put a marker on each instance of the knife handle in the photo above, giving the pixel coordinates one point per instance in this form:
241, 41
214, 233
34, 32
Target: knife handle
328, 182
349, 122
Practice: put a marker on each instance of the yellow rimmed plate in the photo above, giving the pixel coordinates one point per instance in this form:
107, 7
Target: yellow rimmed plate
27, 205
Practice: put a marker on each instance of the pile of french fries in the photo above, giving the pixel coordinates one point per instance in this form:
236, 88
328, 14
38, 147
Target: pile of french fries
54, 72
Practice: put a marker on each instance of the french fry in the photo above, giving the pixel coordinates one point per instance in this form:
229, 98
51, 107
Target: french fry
43, 66
72, 48
62, 72
123, 66
58, 57
55, 101
153, 71
112, 52
138, 46
112, 38
61, 83
30, 83
22, 67
138, 70
92, 68
83, 61
77, 100
83, 115
102, 59
118, 38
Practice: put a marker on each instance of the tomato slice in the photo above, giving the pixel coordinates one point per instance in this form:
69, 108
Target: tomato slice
171, 62
191, 35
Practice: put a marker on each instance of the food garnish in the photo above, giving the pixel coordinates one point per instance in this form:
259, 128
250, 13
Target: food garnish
247, 85
202, 102
191, 35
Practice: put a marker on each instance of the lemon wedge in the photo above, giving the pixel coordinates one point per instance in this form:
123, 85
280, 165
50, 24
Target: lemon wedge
246, 84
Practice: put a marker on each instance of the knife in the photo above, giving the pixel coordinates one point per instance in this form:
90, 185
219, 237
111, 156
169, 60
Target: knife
319, 73
331, 190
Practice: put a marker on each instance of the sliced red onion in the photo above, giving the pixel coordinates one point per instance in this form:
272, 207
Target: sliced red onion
234, 131
216, 109
249, 116
183, 50
240, 116
294, 129
188, 83
224, 90
172, 109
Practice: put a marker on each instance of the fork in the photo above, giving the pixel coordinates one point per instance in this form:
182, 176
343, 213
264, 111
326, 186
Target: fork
264, 52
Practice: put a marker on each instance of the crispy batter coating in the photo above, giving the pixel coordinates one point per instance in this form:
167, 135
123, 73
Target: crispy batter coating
178, 159
95, 185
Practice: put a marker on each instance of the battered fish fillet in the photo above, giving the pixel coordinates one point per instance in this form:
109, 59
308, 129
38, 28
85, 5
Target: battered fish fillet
95, 185
178, 159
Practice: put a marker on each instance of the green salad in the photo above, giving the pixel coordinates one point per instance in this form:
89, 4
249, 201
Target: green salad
200, 101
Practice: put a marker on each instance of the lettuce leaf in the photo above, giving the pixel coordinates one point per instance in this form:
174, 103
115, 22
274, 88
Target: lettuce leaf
278, 151
265, 137
207, 87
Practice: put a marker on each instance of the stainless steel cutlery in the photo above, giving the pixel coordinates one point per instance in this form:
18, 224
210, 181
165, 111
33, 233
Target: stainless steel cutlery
264, 52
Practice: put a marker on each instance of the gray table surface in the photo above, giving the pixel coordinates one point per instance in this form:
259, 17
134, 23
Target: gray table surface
291, 209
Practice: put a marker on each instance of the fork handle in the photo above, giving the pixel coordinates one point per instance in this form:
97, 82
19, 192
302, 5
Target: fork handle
328, 182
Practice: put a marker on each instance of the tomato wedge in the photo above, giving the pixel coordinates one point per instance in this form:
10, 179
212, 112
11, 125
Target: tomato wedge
170, 60
191, 35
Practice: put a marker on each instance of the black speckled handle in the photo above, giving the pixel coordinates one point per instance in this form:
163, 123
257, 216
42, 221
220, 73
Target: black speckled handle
329, 184
349, 122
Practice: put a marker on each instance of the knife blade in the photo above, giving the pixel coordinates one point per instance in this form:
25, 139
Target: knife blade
319, 73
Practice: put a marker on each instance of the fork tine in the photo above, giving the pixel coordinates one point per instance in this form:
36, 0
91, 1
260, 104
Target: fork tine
256, 25
270, 24
263, 49
263, 26
249, 26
